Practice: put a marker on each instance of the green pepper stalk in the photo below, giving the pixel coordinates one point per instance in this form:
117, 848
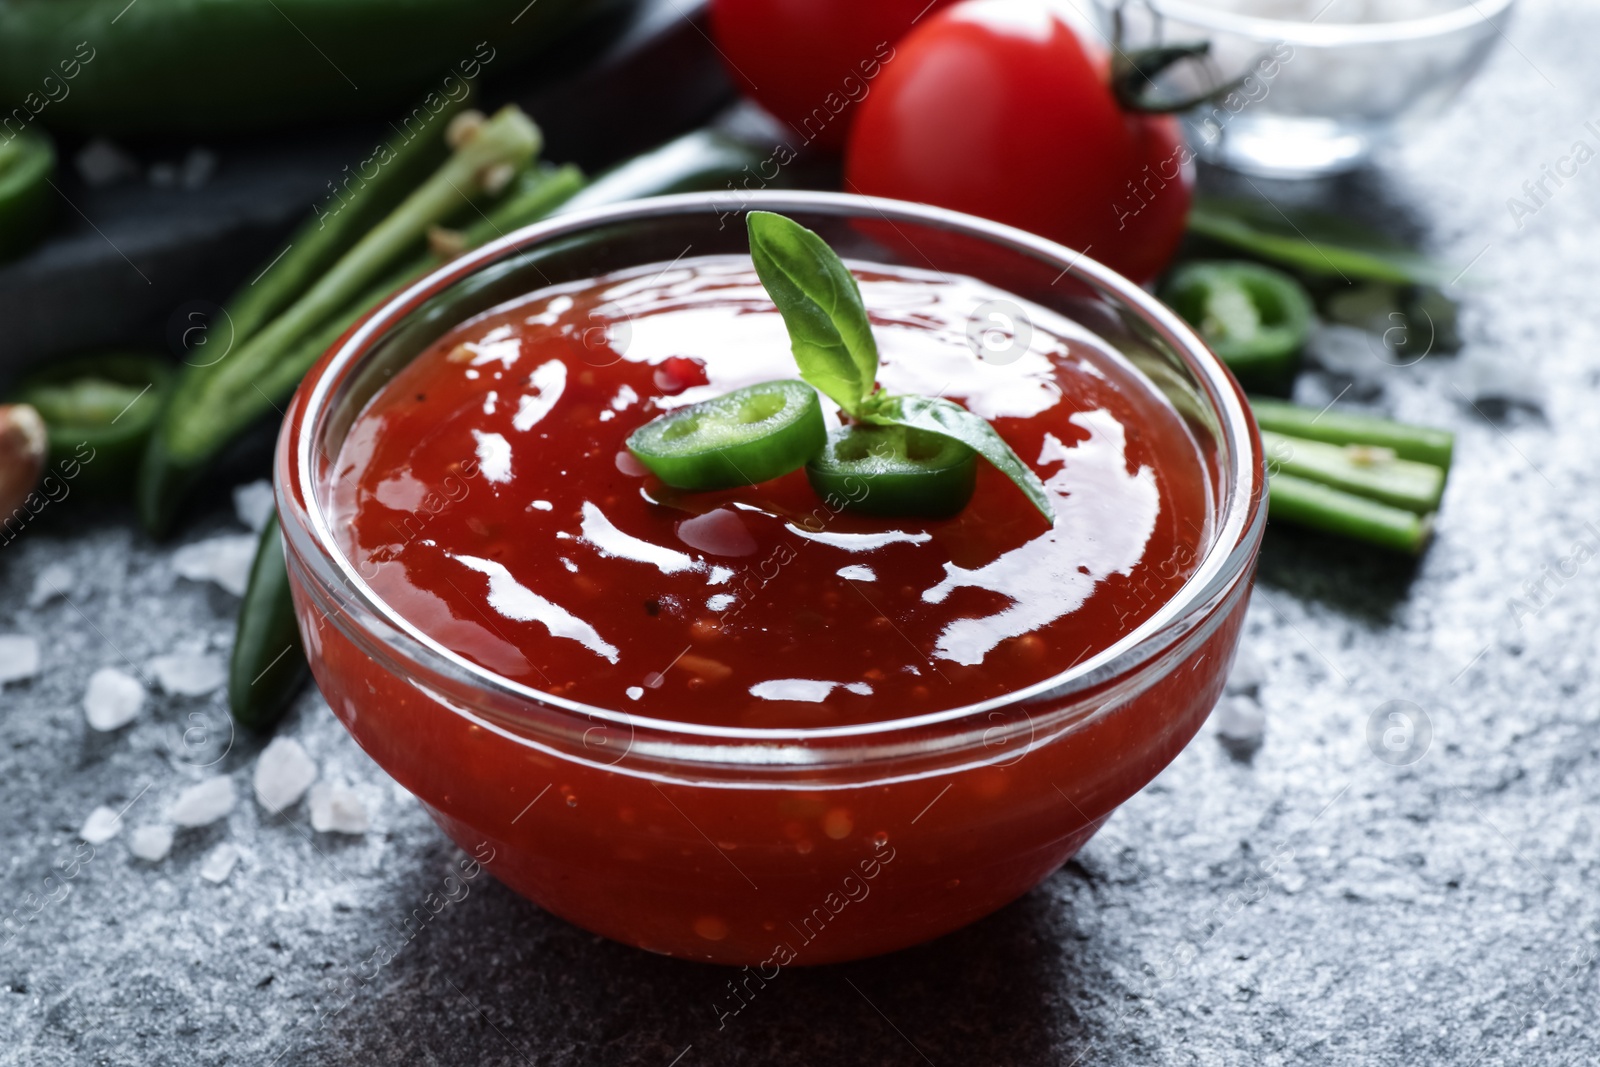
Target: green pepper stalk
1371, 471
1334, 511
207, 414
1354, 476
1420, 443
327, 235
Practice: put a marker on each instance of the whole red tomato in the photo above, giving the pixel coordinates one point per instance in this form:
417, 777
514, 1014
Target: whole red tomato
997, 108
809, 62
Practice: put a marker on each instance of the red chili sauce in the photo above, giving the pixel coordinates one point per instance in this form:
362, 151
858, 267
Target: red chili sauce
487, 495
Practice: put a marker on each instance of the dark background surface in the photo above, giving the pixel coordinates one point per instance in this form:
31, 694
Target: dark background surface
1437, 911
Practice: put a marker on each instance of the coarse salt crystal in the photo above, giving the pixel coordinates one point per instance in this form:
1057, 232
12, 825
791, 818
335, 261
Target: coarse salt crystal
225, 560
336, 809
189, 675
55, 580
205, 803
19, 657
151, 843
283, 774
253, 504
1241, 719
101, 826
112, 700
219, 863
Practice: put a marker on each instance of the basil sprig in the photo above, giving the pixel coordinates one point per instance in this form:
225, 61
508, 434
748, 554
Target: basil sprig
833, 346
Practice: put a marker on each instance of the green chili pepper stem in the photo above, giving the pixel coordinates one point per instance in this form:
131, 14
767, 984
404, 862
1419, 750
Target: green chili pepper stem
269, 662
331, 231
1420, 443
1333, 511
207, 413
1375, 473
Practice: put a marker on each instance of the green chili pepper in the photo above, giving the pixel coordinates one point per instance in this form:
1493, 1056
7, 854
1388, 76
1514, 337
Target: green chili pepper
269, 663
100, 410
904, 471
27, 161
1322, 507
1256, 319
211, 66
748, 436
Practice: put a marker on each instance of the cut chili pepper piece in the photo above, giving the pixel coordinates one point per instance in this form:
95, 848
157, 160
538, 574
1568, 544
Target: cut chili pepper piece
895, 470
1256, 319
100, 410
747, 436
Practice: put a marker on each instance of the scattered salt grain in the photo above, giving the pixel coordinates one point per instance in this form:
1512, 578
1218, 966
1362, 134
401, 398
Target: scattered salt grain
253, 504
189, 675
225, 560
151, 843
205, 803
19, 657
1241, 719
1247, 674
101, 163
112, 700
54, 580
101, 826
335, 809
283, 774
219, 863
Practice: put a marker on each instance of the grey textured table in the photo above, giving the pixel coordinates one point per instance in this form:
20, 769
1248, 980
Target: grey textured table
1434, 911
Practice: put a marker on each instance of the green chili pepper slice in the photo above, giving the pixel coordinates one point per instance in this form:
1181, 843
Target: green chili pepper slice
1256, 319
100, 410
895, 471
27, 161
744, 437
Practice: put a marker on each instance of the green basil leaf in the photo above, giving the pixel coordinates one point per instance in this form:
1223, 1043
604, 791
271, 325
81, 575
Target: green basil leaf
1312, 242
821, 305
949, 419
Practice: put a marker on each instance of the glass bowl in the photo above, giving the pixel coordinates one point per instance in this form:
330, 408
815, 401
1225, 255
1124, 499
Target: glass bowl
767, 847
1318, 95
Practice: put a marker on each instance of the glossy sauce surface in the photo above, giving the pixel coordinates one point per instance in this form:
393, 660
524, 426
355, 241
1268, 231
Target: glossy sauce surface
486, 494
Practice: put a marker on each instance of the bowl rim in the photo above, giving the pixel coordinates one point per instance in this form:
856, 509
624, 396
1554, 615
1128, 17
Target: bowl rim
1237, 526
1313, 34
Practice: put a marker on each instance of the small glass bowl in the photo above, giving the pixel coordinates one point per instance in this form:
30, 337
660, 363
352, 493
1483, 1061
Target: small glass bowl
768, 847
1318, 97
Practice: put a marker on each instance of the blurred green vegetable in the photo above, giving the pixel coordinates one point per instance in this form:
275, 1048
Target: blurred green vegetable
99, 411
1312, 242
269, 664
213, 404
27, 164
209, 66
1256, 319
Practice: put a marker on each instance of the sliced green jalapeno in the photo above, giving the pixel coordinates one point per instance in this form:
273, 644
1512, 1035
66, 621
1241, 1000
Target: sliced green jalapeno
744, 437
904, 471
100, 410
1256, 319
